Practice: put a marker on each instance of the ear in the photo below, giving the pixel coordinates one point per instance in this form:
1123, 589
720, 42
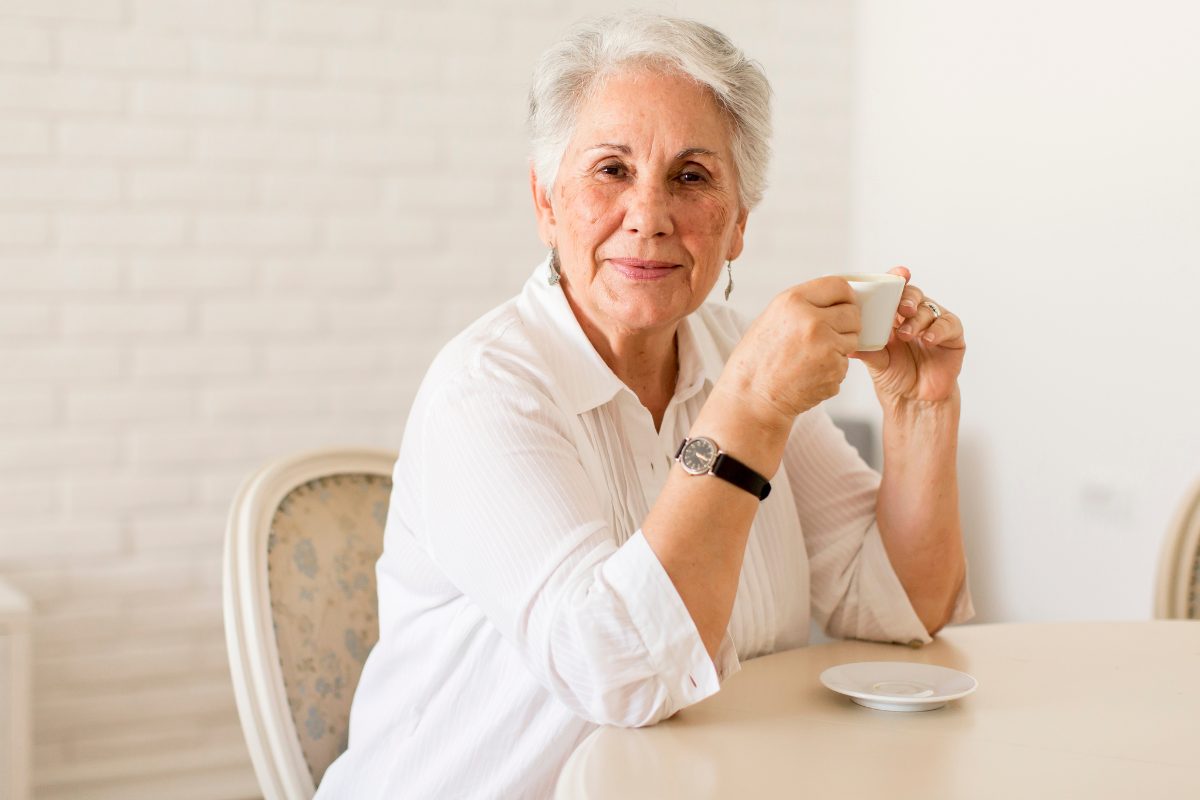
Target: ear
739, 233
542, 209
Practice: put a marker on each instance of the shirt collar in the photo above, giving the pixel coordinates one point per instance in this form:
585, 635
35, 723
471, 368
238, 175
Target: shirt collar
585, 381
582, 377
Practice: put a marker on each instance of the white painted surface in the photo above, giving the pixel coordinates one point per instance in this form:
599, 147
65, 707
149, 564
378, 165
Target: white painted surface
232, 229
235, 229
1036, 165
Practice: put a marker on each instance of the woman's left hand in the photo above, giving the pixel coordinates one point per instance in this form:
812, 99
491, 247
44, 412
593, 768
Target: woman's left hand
924, 354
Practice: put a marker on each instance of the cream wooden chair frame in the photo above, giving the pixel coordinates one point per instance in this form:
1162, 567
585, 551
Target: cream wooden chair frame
16, 694
258, 683
1180, 556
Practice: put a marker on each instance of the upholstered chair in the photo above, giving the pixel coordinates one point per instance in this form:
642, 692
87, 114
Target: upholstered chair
301, 612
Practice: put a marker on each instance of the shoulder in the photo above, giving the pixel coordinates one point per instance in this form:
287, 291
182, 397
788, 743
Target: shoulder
493, 361
719, 326
722, 321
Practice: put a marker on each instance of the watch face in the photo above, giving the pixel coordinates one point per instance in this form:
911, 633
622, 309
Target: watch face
699, 455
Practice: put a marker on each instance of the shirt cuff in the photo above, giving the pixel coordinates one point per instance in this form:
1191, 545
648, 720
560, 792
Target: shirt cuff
676, 651
727, 662
964, 608
894, 615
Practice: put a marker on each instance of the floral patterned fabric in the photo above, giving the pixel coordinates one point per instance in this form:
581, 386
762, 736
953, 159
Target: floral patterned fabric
325, 538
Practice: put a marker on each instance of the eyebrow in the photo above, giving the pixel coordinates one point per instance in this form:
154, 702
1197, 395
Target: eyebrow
687, 152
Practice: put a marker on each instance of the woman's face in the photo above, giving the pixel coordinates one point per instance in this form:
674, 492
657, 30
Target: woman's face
644, 210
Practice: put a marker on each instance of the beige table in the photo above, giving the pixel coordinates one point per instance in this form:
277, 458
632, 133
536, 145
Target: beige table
1071, 710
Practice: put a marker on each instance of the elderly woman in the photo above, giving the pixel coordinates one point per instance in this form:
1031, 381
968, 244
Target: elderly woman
555, 558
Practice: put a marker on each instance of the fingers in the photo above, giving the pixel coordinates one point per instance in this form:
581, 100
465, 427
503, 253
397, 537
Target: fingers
828, 291
796, 351
843, 318
824, 304
847, 344
947, 330
910, 303
929, 329
915, 321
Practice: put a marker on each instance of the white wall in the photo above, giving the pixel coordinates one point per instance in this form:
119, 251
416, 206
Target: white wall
1036, 165
231, 229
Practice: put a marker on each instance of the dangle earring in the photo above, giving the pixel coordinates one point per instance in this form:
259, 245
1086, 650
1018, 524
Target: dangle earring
729, 286
555, 275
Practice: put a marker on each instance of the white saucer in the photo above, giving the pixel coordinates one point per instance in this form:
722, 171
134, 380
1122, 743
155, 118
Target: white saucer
898, 685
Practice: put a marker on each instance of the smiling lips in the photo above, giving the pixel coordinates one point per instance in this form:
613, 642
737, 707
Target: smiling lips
641, 269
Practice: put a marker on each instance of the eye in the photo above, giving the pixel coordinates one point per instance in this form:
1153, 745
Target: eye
693, 176
612, 170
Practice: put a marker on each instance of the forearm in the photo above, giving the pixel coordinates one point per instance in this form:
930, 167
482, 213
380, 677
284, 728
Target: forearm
917, 508
699, 526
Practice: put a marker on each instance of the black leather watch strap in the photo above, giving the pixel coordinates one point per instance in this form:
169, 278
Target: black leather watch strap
729, 468
723, 466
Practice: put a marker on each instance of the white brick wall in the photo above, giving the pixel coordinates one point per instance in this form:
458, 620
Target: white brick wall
230, 229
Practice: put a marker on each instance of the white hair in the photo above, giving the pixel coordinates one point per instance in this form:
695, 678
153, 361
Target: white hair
570, 71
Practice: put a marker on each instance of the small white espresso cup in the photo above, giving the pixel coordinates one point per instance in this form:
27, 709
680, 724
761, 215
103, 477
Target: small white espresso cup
878, 295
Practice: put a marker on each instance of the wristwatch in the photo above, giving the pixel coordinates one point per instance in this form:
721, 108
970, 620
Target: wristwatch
701, 456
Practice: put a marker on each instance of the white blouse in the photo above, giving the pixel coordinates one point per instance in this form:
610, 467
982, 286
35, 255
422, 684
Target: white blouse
519, 603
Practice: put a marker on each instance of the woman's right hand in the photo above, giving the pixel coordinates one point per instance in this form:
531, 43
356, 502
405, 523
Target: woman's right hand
795, 354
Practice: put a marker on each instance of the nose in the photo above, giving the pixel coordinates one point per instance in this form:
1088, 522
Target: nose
648, 214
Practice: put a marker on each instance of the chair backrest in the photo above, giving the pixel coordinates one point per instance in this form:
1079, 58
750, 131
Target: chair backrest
1178, 590
301, 611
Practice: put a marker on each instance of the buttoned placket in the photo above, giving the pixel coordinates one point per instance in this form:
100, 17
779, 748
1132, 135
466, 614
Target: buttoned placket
643, 439
668, 437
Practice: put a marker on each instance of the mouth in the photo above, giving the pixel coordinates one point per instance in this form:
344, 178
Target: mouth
642, 269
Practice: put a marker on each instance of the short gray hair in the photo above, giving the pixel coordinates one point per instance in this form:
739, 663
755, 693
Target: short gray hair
569, 72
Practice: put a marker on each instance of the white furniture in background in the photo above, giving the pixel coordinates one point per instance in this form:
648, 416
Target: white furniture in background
301, 610
16, 673
1178, 589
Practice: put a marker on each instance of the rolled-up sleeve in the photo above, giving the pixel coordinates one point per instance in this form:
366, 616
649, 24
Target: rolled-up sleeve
855, 590
514, 522
665, 626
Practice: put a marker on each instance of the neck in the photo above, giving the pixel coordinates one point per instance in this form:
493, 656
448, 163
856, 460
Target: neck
647, 361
